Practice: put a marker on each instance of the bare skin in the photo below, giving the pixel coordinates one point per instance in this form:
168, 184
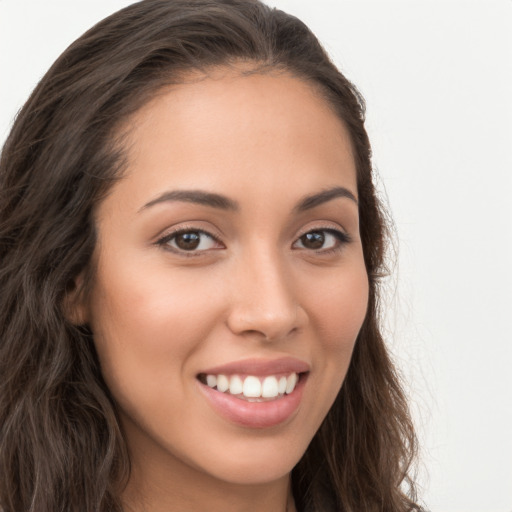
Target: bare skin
185, 284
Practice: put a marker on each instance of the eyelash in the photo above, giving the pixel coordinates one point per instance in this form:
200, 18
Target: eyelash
341, 237
164, 241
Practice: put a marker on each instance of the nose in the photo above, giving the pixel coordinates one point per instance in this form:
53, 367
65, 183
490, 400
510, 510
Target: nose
264, 300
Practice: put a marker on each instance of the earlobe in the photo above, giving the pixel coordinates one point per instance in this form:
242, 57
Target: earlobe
74, 305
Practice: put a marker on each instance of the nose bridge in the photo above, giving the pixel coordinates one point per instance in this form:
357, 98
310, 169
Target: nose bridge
264, 300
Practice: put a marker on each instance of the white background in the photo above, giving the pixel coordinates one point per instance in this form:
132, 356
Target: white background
437, 76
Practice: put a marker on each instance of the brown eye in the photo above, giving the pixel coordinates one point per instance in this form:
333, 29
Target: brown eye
190, 241
313, 240
322, 239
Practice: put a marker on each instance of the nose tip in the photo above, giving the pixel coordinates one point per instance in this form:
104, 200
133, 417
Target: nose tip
265, 304
269, 324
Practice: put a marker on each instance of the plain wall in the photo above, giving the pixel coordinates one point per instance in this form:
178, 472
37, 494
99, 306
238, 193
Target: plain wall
437, 77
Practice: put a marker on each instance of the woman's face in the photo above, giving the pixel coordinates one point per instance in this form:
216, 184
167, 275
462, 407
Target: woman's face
229, 256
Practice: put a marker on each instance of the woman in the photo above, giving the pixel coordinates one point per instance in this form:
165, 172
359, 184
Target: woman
191, 248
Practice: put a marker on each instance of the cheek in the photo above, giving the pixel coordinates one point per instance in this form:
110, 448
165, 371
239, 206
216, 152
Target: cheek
339, 310
337, 313
136, 317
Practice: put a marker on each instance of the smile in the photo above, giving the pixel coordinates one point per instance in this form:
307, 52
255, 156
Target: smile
252, 388
256, 393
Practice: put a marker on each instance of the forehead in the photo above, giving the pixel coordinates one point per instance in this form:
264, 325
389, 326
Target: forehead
229, 128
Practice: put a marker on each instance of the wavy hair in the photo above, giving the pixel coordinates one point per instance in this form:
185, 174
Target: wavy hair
61, 448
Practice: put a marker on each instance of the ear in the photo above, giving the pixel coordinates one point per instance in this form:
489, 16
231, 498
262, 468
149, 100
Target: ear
74, 305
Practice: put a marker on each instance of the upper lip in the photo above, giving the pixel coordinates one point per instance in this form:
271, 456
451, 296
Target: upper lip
260, 367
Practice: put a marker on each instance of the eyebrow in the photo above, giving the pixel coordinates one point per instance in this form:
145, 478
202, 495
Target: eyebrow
225, 203
309, 202
195, 196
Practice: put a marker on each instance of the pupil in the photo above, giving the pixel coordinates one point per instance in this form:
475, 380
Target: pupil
188, 241
313, 240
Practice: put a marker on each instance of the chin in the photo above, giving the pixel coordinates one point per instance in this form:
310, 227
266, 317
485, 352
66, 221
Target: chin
254, 472
252, 463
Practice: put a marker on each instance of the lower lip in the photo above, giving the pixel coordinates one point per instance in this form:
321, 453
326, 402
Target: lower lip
255, 414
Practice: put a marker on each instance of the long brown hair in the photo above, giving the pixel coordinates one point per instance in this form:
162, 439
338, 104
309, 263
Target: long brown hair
61, 448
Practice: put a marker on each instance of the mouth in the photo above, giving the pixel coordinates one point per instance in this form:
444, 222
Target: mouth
253, 388
255, 393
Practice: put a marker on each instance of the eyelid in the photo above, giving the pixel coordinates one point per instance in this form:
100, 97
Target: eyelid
323, 226
163, 240
339, 233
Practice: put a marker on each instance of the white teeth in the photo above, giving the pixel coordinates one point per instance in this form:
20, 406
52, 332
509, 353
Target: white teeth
269, 388
291, 382
211, 380
253, 387
222, 383
281, 387
236, 385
